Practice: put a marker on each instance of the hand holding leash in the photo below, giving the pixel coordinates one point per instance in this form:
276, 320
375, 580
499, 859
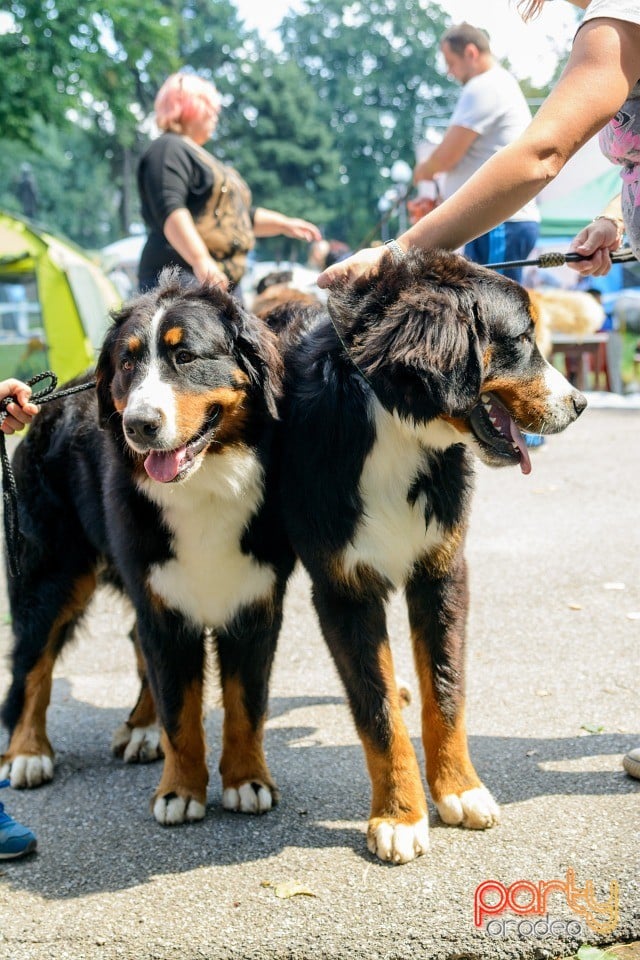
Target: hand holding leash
9, 489
624, 255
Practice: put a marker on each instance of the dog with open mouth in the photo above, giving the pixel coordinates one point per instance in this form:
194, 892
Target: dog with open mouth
162, 482
388, 397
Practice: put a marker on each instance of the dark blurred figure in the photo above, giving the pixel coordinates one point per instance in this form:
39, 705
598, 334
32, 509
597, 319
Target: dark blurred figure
27, 191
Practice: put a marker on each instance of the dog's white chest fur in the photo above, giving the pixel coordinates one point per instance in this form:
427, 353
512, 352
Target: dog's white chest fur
392, 533
210, 577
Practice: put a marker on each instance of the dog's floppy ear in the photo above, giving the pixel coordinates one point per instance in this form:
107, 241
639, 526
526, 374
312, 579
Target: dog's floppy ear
257, 355
422, 350
104, 376
453, 367
105, 369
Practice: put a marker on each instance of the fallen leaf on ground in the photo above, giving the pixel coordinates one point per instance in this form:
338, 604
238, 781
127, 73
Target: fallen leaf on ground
592, 727
594, 953
291, 888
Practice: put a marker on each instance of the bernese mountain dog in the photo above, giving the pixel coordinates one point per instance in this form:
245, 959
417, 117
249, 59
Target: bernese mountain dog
162, 480
388, 397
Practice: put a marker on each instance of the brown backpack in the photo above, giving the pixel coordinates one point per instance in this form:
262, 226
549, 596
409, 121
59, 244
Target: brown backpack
225, 222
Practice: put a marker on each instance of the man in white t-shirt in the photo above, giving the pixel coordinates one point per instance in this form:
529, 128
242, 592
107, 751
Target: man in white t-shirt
490, 113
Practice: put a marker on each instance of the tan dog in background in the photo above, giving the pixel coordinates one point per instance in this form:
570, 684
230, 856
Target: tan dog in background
573, 312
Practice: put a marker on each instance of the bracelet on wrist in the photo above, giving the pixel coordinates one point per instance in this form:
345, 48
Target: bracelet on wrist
616, 221
396, 250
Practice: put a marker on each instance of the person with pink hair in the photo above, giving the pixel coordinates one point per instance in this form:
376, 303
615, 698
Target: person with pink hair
198, 210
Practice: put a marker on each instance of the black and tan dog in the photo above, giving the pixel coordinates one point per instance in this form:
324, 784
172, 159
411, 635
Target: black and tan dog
432, 361
176, 498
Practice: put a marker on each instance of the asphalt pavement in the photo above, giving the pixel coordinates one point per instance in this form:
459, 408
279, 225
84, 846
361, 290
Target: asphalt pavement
553, 703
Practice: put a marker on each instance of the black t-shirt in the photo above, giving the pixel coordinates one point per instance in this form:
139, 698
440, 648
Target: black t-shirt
170, 176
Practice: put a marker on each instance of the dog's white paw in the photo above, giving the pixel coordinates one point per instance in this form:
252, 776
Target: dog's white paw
475, 809
28, 771
173, 809
398, 842
250, 797
137, 744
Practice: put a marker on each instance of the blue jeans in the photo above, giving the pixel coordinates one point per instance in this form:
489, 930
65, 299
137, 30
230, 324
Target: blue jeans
513, 240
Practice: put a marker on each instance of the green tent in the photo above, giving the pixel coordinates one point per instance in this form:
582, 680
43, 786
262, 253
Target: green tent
54, 303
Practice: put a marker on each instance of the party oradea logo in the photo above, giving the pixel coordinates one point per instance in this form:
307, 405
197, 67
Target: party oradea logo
529, 901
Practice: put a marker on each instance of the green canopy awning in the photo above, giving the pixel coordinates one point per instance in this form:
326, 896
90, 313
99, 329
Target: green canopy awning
566, 215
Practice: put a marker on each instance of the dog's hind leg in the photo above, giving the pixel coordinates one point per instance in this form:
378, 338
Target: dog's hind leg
437, 615
44, 619
245, 657
355, 631
137, 740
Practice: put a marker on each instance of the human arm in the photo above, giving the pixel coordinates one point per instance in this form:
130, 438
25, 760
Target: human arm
22, 411
270, 223
447, 155
181, 232
603, 67
598, 240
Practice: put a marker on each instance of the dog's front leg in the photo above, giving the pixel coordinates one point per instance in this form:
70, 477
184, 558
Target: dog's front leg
174, 652
245, 655
437, 615
355, 631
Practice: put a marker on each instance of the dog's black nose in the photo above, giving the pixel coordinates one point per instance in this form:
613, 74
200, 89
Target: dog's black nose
142, 429
579, 401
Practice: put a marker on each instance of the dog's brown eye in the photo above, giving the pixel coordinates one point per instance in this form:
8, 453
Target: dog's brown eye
183, 356
127, 365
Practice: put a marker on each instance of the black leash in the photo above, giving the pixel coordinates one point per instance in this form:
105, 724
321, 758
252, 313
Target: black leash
623, 255
13, 535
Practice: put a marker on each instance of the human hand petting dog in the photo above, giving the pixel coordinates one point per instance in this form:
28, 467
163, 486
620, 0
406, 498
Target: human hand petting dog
352, 267
20, 412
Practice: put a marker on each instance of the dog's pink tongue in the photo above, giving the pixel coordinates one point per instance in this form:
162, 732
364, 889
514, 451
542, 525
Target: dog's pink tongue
164, 465
518, 439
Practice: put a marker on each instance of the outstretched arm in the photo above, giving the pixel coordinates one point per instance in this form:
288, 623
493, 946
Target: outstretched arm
270, 223
603, 67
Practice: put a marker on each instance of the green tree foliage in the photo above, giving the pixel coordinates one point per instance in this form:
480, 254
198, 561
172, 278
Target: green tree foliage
85, 66
287, 152
211, 37
93, 59
40, 64
314, 128
76, 195
373, 67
